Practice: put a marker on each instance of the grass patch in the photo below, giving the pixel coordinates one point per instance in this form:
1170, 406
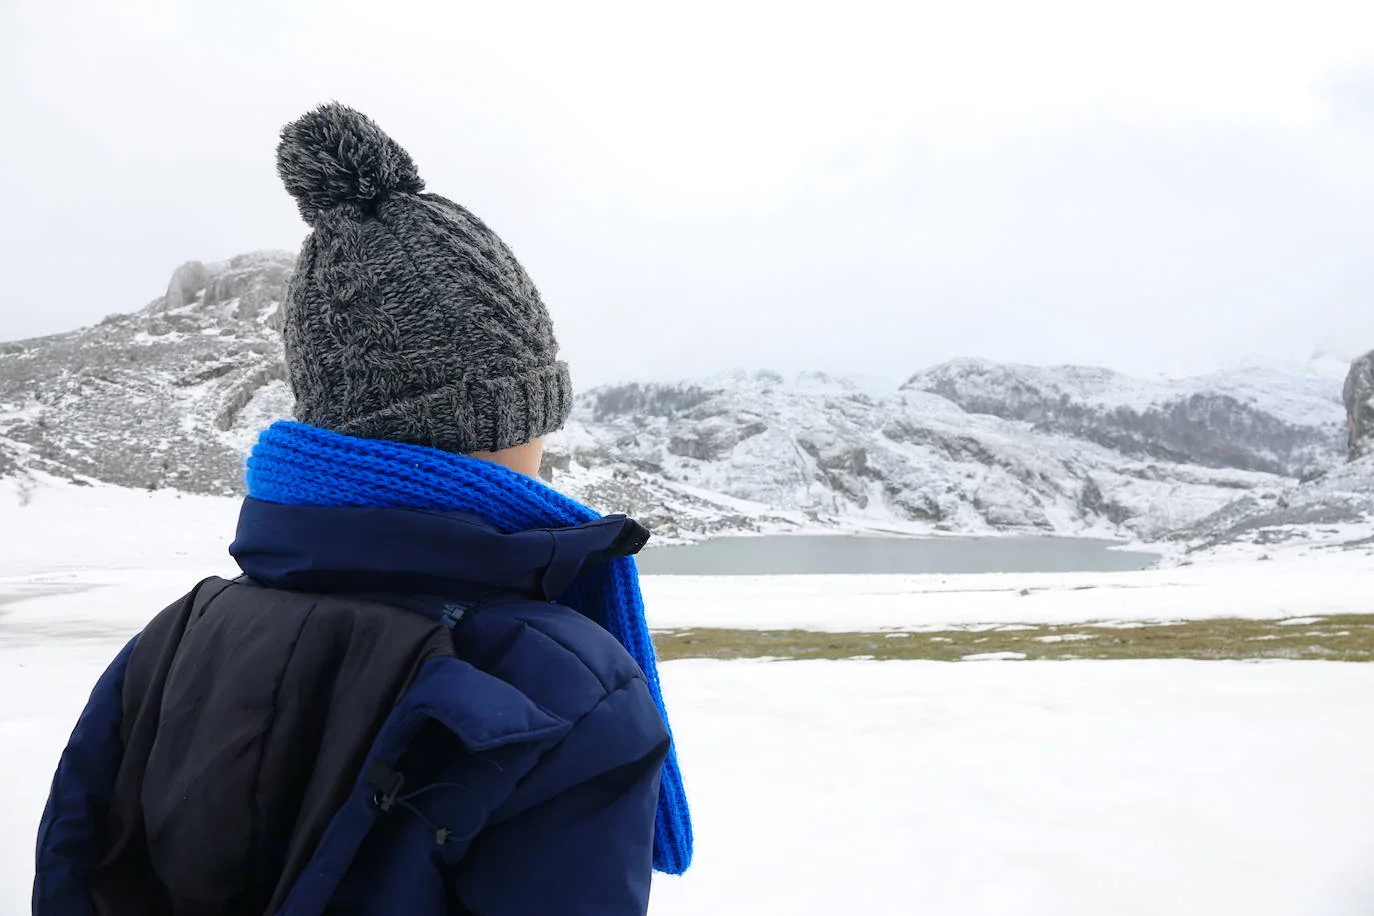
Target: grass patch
1343, 637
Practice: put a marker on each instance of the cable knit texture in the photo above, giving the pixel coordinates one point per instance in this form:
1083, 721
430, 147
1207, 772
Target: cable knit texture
407, 318
296, 464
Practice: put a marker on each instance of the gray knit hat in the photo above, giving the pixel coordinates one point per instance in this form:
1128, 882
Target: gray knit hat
407, 319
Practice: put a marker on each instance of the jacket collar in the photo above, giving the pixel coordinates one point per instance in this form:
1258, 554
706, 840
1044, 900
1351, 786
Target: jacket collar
369, 550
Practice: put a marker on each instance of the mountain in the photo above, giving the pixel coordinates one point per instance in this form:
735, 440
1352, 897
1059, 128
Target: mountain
833, 449
1334, 507
1288, 424
172, 396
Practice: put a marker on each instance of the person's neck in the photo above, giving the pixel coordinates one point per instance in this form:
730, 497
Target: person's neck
523, 459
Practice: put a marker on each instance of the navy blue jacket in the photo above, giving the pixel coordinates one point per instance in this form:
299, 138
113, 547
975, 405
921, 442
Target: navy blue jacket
388, 715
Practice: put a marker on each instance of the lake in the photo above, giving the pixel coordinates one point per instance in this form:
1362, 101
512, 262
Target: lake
785, 555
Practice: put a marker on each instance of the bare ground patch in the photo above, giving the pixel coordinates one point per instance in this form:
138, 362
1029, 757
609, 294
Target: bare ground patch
1343, 637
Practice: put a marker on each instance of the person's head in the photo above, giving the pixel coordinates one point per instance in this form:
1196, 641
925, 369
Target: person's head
407, 319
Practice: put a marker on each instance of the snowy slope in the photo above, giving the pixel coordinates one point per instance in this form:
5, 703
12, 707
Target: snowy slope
167, 397
835, 449
1281, 420
1074, 788
1335, 508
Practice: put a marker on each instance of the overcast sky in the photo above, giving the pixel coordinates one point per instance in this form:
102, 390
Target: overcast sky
854, 187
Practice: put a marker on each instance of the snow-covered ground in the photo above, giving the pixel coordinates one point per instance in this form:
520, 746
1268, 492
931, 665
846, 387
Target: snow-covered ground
1066, 788
820, 787
1316, 586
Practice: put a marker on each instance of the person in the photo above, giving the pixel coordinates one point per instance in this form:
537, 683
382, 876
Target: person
388, 712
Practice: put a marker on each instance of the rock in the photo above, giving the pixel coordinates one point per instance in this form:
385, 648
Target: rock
842, 464
1359, 407
186, 284
1093, 501
715, 436
237, 398
915, 505
553, 463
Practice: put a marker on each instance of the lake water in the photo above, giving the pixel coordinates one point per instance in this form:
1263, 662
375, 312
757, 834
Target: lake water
785, 555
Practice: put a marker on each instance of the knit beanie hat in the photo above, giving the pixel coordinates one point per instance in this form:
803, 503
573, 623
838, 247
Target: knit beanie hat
407, 319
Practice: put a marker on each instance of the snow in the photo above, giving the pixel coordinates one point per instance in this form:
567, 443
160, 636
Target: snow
1060, 788
1320, 585
1131, 787
1301, 394
860, 453
143, 337
20, 413
1305, 396
68, 531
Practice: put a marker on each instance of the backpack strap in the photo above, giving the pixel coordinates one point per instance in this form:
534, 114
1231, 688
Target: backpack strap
486, 715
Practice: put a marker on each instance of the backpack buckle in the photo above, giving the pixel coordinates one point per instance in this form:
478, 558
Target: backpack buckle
386, 783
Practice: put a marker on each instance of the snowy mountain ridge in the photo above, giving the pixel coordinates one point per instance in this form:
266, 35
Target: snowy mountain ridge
172, 396
1297, 392
1262, 419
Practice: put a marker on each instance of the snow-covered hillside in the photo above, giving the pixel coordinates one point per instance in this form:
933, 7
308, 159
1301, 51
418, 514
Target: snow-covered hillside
837, 450
1282, 421
1336, 507
171, 397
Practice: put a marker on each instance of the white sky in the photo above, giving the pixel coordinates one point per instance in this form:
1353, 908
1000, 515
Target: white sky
856, 187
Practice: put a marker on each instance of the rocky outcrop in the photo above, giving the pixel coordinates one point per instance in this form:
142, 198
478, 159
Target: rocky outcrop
1359, 407
187, 283
1336, 508
251, 387
712, 437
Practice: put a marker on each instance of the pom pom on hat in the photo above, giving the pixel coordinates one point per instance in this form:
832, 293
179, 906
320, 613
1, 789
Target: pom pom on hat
335, 155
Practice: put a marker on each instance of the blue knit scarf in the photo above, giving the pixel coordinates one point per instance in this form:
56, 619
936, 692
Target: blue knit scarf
295, 464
